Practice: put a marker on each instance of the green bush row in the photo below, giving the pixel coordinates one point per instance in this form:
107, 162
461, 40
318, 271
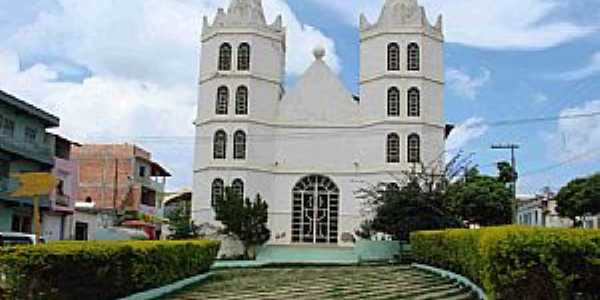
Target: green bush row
518, 262
99, 270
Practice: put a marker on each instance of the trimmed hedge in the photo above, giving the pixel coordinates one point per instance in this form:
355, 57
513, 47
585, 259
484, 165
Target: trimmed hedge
516, 262
99, 270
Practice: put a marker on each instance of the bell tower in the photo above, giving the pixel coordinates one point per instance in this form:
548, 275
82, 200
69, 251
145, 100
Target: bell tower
242, 69
402, 78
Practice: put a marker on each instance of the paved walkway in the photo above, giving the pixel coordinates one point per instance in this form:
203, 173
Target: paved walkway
315, 283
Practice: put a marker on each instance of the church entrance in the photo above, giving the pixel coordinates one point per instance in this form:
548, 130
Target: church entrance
315, 211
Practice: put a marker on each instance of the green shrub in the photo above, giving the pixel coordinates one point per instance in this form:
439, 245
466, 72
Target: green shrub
99, 270
518, 262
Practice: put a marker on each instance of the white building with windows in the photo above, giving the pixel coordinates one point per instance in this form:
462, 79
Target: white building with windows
307, 150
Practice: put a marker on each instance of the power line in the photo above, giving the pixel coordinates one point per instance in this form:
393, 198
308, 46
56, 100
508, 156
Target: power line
568, 161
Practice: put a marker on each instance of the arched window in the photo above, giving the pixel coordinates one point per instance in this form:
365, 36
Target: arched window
225, 57
393, 102
393, 148
220, 145
217, 191
414, 102
239, 145
393, 57
238, 187
241, 101
222, 100
414, 148
414, 57
244, 57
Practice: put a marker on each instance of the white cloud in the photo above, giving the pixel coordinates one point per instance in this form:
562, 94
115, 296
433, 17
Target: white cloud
576, 139
463, 134
507, 24
591, 69
540, 98
466, 85
143, 58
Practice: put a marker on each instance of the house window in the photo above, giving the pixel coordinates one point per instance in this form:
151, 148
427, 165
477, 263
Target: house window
414, 148
222, 100
244, 57
239, 145
414, 102
217, 191
393, 148
225, 57
220, 145
393, 57
21, 224
414, 57
241, 101
30, 135
238, 187
393, 102
142, 171
8, 128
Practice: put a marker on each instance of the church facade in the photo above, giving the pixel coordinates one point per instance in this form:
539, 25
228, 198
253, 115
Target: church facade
307, 150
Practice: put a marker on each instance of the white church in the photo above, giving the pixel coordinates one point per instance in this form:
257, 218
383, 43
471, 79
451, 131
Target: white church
307, 150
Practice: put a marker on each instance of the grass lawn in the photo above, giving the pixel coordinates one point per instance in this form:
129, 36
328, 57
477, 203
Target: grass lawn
299, 283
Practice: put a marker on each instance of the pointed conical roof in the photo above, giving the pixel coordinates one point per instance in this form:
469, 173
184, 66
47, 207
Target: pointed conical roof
319, 97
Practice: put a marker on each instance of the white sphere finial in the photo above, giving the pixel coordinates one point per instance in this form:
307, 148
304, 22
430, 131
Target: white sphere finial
319, 52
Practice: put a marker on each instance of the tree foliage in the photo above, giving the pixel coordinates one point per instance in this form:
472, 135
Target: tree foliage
244, 218
180, 223
579, 198
437, 199
480, 199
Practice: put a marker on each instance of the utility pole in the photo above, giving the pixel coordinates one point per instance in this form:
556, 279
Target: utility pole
515, 175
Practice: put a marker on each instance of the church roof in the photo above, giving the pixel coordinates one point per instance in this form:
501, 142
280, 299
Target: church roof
319, 97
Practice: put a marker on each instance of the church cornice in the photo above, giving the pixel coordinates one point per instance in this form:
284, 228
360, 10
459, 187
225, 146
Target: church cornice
278, 37
238, 75
280, 170
391, 75
374, 33
358, 125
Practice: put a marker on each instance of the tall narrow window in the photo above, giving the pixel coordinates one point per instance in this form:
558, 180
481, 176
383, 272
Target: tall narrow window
222, 100
241, 101
414, 148
225, 57
393, 148
414, 102
239, 145
238, 187
244, 57
220, 145
217, 191
393, 102
393, 57
414, 57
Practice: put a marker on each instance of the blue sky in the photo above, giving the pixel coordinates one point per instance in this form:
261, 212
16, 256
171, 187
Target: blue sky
106, 67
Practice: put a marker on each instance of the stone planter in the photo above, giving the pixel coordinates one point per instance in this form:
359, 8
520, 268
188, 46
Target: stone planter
377, 251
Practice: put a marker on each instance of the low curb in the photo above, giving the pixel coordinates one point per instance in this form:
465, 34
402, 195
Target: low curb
168, 289
459, 278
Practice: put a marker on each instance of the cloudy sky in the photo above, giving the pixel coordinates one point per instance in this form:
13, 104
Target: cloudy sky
125, 71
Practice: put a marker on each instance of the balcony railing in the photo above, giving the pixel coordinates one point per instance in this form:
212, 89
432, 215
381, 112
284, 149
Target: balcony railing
64, 201
36, 151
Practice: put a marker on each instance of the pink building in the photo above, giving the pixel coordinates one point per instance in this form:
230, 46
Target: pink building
57, 222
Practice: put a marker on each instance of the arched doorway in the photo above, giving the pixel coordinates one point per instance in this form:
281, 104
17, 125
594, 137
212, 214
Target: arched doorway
315, 204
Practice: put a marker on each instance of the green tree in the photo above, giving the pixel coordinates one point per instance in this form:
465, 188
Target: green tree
245, 219
410, 208
180, 223
481, 199
578, 198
